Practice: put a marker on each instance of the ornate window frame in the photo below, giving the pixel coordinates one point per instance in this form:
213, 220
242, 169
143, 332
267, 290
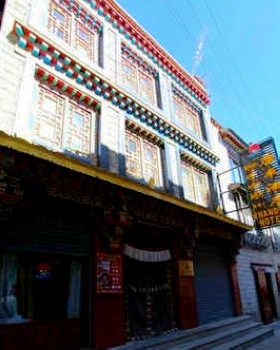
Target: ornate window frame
143, 159
186, 116
86, 48
139, 69
61, 132
195, 183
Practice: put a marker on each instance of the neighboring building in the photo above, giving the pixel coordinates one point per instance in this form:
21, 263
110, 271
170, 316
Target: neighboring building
109, 220
258, 261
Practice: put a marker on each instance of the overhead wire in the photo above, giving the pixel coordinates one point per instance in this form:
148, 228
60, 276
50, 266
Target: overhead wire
223, 81
227, 48
227, 78
181, 23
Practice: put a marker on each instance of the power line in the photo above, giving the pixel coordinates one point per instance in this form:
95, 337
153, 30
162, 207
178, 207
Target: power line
230, 54
216, 78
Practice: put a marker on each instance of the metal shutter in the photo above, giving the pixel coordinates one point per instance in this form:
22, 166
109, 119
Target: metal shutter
214, 294
55, 229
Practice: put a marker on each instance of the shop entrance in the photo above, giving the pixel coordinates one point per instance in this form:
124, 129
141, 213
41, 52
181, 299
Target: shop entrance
148, 298
263, 275
45, 276
214, 295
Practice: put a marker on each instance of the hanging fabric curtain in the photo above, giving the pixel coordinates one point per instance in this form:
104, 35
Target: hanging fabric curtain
147, 255
74, 299
8, 280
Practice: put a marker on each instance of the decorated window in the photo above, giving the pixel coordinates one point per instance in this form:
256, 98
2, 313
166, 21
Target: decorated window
49, 117
188, 184
147, 87
129, 75
80, 32
84, 41
195, 184
142, 159
138, 76
186, 116
59, 22
61, 123
80, 129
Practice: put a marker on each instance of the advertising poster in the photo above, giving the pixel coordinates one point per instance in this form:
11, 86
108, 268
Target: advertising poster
109, 274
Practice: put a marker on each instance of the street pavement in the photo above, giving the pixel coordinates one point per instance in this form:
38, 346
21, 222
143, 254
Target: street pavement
271, 343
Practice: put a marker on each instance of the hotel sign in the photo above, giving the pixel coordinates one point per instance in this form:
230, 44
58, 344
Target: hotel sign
261, 166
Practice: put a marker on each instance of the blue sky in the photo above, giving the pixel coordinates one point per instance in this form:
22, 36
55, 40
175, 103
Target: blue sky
240, 55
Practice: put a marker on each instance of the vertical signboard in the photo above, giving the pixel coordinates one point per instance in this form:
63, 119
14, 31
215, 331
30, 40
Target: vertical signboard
261, 166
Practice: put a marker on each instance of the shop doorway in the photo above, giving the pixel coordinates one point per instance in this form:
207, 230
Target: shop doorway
214, 294
263, 280
148, 298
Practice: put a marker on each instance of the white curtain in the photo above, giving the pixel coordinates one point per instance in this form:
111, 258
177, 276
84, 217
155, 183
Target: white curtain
74, 299
8, 280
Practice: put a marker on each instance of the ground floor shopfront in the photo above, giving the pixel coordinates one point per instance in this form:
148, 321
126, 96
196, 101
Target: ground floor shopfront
259, 278
91, 263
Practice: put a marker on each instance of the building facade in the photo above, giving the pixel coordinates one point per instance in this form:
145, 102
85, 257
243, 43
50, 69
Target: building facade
110, 223
258, 258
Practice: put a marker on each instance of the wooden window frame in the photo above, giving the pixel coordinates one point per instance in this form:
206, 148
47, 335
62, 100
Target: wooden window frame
54, 24
188, 117
50, 117
138, 72
92, 46
144, 166
87, 116
66, 125
152, 87
127, 62
198, 191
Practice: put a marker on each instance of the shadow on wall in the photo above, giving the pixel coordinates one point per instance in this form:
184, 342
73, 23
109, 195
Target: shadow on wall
116, 163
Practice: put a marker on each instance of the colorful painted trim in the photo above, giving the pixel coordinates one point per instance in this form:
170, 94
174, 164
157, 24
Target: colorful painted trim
186, 99
79, 11
142, 41
54, 58
66, 89
194, 161
131, 55
137, 129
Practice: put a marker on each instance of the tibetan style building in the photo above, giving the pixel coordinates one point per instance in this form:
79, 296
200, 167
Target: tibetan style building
110, 226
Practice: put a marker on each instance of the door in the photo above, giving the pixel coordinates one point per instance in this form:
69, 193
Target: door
265, 295
148, 298
214, 293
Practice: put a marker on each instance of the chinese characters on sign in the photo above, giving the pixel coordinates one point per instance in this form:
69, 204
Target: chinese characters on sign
262, 171
109, 274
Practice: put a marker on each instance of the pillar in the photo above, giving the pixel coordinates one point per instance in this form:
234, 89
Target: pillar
108, 309
186, 297
233, 250
236, 289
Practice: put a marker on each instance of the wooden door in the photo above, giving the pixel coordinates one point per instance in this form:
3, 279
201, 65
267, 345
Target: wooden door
264, 297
